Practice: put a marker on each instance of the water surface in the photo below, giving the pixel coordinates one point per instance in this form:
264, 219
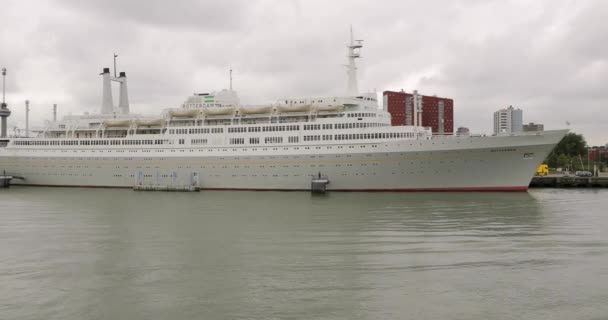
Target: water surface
118, 254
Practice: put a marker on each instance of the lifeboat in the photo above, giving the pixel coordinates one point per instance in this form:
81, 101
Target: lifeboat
296, 108
149, 123
255, 110
184, 113
330, 108
117, 123
218, 111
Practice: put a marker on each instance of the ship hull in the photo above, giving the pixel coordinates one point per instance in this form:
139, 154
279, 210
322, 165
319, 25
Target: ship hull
502, 163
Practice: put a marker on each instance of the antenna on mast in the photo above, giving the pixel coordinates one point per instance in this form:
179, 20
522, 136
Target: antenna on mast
230, 78
354, 49
115, 56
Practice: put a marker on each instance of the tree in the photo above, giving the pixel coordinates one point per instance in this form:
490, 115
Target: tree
563, 161
572, 145
552, 160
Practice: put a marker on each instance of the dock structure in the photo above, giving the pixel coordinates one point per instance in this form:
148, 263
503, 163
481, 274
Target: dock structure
5, 180
569, 182
319, 183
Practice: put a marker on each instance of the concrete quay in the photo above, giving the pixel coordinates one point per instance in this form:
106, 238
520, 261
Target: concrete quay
563, 181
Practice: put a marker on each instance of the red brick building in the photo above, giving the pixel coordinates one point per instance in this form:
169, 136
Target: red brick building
599, 154
437, 112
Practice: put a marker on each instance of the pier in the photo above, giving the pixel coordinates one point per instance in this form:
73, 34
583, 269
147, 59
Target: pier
569, 182
5, 180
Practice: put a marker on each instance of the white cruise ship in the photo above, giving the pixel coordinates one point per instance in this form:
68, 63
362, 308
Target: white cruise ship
214, 142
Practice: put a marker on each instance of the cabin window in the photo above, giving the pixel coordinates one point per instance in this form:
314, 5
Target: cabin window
237, 140
273, 139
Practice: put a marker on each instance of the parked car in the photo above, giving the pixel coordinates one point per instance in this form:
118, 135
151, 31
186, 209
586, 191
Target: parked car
583, 174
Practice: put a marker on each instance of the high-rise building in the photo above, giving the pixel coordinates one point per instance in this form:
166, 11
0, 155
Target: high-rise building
435, 112
508, 120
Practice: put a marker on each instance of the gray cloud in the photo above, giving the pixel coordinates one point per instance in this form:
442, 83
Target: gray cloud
548, 57
225, 15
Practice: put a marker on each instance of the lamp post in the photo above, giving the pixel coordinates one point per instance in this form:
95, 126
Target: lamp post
3, 86
27, 118
588, 158
4, 111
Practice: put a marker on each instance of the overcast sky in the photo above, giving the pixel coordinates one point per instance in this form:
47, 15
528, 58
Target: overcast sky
548, 57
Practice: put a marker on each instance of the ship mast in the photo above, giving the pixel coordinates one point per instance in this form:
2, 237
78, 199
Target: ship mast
354, 49
115, 56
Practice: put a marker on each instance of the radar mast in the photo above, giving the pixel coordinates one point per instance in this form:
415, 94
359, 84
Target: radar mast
354, 52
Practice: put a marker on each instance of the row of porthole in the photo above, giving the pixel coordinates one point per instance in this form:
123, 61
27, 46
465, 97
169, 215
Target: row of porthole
168, 176
223, 150
373, 163
33, 173
237, 166
294, 156
210, 175
222, 158
200, 150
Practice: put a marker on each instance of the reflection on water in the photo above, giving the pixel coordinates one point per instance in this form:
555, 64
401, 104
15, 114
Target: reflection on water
88, 253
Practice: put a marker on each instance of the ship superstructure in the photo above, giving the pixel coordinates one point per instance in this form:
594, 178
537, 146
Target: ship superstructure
214, 142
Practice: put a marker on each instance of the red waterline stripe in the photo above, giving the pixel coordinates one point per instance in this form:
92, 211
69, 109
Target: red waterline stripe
451, 189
